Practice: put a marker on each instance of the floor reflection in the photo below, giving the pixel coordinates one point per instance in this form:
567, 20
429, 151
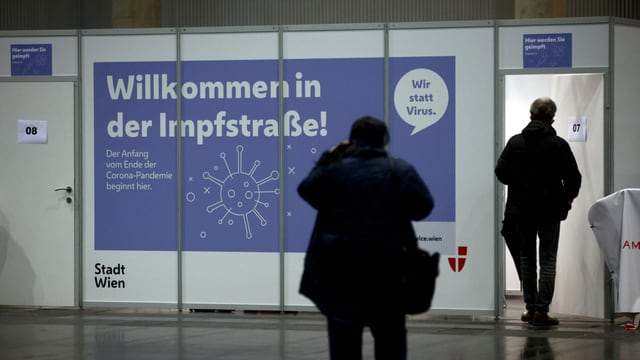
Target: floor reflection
537, 348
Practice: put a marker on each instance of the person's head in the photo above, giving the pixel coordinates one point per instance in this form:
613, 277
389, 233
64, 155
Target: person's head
543, 109
369, 131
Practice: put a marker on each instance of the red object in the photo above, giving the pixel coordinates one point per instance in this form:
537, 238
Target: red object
457, 266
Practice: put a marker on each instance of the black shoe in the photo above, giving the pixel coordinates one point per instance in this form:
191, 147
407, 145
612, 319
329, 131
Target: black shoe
527, 317
543, 319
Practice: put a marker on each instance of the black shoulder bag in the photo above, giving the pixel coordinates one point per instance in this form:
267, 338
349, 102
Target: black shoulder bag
419, 268
418, 282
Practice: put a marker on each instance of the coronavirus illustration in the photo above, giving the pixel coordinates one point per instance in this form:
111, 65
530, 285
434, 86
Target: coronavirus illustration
239, 194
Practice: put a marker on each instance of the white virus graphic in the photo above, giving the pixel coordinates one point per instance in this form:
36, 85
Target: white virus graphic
240, 193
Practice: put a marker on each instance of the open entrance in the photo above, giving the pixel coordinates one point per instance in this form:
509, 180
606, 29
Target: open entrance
580, 120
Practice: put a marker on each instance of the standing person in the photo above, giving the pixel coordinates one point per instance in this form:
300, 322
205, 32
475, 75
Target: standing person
366, 201
542, 180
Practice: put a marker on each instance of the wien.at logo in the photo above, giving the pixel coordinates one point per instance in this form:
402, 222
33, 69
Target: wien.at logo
457, 263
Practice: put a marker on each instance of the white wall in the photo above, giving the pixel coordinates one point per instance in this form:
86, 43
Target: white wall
626, 108
473, 288
64, 52
581, 266
590, 44
151, 276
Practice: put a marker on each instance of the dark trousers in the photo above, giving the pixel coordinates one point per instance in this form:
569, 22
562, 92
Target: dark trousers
389, 334
538, 290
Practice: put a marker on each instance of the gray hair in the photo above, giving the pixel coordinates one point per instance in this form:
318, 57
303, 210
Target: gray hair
543, 109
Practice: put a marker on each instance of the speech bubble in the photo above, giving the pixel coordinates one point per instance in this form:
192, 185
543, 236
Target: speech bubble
421, 98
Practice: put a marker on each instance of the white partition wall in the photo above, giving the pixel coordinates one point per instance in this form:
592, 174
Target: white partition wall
558, 61
130, 199
194, 142
39, 54
39, 262
335, 77
230, 170
534, 46
625, 146
452, 149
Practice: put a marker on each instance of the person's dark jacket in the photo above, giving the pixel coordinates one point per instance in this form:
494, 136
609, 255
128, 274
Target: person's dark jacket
541, 173
352, 264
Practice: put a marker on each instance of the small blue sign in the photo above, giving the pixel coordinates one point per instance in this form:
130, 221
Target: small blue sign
547, 50
31, 60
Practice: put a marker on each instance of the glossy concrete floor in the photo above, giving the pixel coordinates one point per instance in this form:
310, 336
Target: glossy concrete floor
163, 334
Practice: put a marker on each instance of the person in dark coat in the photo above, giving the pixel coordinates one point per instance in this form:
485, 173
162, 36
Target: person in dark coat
366, 201
542, 179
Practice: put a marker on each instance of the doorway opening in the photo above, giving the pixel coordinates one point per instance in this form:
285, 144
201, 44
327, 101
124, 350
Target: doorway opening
580, 120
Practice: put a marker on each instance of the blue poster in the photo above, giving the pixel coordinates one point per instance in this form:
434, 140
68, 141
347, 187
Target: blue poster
31, 60
233, 165
422, 128
135, 156
337, 92
547, 50
422, 124
231, 171
241, 165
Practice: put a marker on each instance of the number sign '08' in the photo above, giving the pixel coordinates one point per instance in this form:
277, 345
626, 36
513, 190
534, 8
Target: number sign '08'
32, 131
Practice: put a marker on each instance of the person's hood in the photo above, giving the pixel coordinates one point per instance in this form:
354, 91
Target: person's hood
537, 129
